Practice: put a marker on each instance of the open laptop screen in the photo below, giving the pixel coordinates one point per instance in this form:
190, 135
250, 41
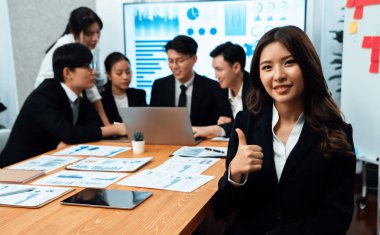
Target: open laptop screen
160, 125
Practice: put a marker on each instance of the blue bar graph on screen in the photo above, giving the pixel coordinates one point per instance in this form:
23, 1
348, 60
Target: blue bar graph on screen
235, 20
152, 23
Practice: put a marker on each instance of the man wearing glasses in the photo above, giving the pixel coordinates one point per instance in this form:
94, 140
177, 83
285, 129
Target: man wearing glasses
58, 112
184, 88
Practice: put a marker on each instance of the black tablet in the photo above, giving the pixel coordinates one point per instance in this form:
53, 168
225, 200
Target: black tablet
108, 198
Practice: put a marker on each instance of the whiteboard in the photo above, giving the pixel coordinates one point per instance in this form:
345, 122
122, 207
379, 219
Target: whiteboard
361, 89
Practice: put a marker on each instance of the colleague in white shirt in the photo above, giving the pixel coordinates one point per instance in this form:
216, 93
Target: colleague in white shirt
228, 61
84, 27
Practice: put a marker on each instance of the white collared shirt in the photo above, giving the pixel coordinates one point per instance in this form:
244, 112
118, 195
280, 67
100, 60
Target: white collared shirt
189, 92
121, 100
236, 102
281, 150
74, 104
46, 68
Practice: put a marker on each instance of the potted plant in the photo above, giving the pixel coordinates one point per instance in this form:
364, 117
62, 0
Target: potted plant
138, 142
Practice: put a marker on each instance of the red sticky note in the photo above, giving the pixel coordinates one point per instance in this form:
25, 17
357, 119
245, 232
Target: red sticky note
350, 3
369, 2
375, 55
367, 42
376, 42
358, 13
374, 68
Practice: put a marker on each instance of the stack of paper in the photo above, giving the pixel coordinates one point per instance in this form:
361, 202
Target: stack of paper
18, 176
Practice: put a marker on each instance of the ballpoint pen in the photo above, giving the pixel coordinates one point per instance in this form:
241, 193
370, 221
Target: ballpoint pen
214, 150
17, 191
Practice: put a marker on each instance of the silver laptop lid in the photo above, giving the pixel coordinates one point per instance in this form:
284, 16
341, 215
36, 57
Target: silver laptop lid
160, 125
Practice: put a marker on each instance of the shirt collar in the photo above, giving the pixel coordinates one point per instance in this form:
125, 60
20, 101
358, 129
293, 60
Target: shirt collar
238, 95
275, 117
187, 84
71, 94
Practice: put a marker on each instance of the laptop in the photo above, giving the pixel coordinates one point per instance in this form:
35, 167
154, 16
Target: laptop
160, 125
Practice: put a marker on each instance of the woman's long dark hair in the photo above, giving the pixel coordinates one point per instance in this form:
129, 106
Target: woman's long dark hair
80, 19
321, 112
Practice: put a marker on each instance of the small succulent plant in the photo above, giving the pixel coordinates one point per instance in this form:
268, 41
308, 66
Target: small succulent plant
138, 136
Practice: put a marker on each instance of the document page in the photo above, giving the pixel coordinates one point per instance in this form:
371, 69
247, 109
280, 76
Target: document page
93, 150
81, 179
46, 163
189, 165
29, 195
109, 164
166, 180
207, 151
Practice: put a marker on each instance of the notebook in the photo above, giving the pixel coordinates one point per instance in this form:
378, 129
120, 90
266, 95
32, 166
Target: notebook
160, 125
19, 176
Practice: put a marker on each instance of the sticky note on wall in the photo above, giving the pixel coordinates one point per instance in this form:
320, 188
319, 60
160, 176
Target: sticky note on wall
353, 29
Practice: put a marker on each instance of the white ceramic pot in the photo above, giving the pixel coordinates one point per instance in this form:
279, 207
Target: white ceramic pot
138, 146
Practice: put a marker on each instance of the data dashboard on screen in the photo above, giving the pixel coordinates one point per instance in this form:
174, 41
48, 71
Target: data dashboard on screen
149, 26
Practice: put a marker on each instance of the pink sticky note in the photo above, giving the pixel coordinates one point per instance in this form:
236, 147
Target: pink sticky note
374, 68
375, 54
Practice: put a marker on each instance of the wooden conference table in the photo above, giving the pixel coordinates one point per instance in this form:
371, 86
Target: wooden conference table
166, 212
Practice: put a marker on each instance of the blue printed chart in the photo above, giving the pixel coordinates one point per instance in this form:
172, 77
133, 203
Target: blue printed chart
148, 27
109, 164
46, 163
81, 179
166, 180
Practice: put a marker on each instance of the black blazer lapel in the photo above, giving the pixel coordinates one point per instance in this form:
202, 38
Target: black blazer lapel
307, 140
65, 101
170, 89
246, 88
263, 137
196, 97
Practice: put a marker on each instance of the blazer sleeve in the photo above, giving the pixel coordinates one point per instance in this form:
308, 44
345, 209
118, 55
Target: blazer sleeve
336, 210
50, 116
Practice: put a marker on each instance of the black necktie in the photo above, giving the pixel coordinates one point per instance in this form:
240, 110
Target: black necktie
182, 97
75, 107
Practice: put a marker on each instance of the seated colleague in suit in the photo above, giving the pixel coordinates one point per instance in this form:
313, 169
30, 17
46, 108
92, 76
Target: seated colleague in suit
290, 164
117, 93
184, 88
228, 62
57, 113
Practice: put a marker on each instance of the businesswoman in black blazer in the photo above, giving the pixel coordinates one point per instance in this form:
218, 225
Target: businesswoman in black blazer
117, 92
290, 164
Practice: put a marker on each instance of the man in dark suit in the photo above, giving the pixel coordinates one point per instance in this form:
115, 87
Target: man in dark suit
184, 88
58, 112
228, 62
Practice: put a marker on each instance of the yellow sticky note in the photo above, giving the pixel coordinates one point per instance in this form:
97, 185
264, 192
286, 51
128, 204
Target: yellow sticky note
353, 27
